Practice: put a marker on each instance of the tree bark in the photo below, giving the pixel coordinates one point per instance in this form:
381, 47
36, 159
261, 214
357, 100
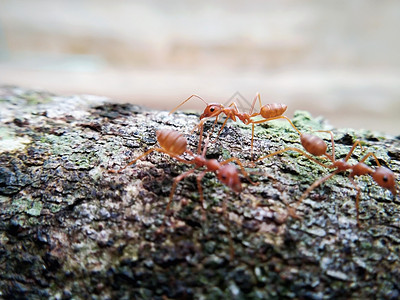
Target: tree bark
71, 229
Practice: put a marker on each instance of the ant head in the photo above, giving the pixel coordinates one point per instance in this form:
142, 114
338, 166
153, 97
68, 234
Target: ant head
212, 110
229, 176
385, 178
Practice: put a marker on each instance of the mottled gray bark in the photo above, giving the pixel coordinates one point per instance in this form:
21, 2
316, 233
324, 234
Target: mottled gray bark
70, 229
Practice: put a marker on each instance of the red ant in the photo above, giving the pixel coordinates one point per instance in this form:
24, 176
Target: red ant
269, 112
174, 144
316, 146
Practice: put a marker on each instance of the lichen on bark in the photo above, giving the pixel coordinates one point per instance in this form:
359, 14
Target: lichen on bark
70, 229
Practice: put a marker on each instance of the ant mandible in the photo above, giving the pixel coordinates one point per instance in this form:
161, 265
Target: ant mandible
316, 146
269, 112
174, 144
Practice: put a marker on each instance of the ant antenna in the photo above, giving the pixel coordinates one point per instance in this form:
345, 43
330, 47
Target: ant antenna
197, 96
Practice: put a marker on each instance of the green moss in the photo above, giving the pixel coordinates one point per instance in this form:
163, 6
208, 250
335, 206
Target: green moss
35, 209
21, 205
226, 154
305, 122
26, 205
366, 245
55, 208
73, 147
33, 98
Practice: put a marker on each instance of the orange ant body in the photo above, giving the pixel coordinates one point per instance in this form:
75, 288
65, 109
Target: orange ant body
316, 146
174, 144
268, 112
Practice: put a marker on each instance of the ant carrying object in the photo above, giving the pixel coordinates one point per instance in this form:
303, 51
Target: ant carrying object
316, 146
268, 112
174, 144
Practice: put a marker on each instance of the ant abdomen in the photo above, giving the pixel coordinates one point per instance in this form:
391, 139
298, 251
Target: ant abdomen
313, 144
272, 110
172, 141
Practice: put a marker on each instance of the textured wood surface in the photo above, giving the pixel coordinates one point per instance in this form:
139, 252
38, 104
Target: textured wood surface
70, 229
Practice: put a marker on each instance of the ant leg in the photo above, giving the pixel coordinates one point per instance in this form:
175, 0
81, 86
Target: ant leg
252, 140
161, 150
219, 132
215, 123
276, 118
235, 106
176, 181
356, 143
136, 159
259, 99
189, 162
205, 146
201, 126
202, 130
357, 200
252, 106
266, 120
172, 111
313, 186
368, 155
299, 151
228, 116
333, 145
254, 102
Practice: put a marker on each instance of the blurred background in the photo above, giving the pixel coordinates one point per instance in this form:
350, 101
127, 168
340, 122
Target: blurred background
339, 59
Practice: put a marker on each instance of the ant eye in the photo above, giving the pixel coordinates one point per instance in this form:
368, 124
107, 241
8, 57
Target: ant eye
385, 178
223, 176
212, 109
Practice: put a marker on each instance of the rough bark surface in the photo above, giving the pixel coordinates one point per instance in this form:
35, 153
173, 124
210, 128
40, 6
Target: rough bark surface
70, 229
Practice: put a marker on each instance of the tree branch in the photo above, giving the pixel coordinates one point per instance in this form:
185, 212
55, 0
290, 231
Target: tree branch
70, 229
